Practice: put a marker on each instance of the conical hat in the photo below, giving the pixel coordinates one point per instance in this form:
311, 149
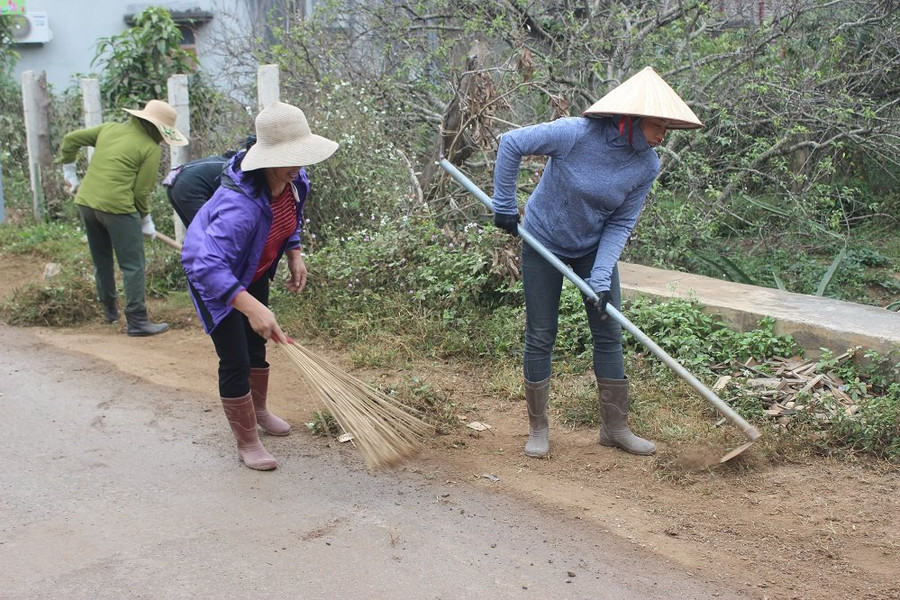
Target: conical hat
646, 94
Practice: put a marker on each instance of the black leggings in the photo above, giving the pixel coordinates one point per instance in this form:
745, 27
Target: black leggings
239, 347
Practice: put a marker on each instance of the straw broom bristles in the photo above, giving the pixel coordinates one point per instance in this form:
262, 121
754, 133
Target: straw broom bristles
385, 431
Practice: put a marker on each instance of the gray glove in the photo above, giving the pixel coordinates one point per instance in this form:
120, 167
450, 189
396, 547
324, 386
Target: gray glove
71, 178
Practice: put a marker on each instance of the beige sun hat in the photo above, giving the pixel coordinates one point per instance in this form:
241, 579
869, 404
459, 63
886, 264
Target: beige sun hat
163, 116
646, 94
283, 139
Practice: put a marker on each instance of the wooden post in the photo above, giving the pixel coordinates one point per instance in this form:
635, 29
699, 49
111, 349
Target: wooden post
268, 86
2, 204
36, 106
179, 98
93, 109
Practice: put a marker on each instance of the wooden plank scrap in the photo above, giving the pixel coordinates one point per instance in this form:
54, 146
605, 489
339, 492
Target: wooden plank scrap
805, 369
839, 393
794, 363
721, 383
812, 383
764, 382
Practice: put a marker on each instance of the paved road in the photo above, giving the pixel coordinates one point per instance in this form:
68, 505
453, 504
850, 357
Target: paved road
117, 488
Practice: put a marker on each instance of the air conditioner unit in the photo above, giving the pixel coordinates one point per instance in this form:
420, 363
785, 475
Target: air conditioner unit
31, 28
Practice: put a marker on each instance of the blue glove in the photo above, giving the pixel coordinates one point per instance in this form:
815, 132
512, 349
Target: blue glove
601, 302
508, 223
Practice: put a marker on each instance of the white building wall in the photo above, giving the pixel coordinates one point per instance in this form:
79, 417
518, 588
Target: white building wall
78, 24
76, 27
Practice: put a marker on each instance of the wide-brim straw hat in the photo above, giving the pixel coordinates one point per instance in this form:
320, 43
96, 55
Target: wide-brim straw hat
646, 94
163, 116
283, 139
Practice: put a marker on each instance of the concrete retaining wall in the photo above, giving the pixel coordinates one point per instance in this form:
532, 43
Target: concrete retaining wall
813, 321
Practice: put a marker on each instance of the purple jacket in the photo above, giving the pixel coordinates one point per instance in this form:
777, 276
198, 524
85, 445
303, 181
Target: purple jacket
224, 242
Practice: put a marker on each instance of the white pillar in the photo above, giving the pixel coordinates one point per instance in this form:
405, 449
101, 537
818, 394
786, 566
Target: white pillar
31, 100
179, 98
268, 86
93, 109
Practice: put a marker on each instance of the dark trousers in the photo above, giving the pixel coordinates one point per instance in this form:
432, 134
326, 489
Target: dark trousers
110, 234
186, 209
543, 287
239, 347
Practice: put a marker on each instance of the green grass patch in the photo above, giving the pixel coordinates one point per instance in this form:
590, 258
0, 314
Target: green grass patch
54, 241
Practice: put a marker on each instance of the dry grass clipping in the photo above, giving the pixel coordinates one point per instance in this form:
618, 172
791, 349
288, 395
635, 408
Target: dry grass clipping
385, 431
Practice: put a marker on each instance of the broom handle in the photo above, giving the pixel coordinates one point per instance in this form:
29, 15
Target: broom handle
726, 411
168, 241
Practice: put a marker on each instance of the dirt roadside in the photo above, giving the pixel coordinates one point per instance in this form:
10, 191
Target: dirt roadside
816, 529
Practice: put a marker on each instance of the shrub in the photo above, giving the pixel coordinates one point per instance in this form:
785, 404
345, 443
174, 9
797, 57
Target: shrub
698, 340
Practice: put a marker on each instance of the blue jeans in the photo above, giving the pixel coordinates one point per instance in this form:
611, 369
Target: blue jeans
543, 286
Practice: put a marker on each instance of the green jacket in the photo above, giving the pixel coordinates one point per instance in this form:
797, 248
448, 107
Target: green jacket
123, 170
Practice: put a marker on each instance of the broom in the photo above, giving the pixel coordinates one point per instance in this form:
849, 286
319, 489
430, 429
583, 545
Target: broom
385, 431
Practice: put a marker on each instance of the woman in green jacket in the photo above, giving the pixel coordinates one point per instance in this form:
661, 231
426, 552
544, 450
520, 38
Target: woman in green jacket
114, 202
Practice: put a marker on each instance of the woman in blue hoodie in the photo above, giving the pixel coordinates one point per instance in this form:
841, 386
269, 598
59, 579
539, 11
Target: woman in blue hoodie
231, 252
599, 170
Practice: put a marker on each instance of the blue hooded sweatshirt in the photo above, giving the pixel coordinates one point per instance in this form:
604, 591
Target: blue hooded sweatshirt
591, 192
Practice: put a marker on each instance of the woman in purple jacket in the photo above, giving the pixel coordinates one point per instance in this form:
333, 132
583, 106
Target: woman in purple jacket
231, 251
600, 168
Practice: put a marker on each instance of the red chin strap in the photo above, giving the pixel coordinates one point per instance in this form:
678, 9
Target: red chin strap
622, 123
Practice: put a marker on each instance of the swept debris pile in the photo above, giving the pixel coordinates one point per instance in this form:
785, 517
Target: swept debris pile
787, 386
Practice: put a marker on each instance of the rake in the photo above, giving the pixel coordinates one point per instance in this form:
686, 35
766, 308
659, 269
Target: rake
750, 432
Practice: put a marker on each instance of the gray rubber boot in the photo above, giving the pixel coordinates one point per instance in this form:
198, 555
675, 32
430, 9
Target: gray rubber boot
242, 418
139, 324
110, 311
614, 407
536, 397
